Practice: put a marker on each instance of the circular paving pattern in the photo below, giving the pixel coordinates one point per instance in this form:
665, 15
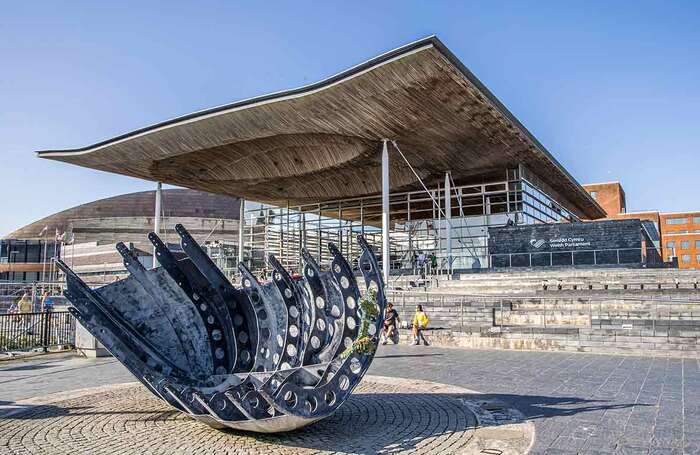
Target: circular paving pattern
383, 415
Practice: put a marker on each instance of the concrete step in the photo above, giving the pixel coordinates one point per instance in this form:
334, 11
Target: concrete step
580, 273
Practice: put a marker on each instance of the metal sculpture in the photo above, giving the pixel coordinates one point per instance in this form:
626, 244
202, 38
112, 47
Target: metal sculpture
265, 357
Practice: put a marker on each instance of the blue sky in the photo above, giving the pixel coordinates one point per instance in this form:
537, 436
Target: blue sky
611, 89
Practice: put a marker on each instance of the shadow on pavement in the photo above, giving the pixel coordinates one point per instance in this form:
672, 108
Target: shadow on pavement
11, 411
397, 356
543, 407
30, 367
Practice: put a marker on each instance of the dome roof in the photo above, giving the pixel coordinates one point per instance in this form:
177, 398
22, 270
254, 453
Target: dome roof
177, 203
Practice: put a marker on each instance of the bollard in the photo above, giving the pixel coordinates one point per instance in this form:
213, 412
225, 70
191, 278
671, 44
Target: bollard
501, 315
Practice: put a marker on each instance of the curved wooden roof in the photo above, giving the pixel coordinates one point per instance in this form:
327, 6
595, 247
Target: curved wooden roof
322, 142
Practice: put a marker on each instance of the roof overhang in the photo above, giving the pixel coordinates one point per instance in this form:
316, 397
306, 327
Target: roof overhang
322, 141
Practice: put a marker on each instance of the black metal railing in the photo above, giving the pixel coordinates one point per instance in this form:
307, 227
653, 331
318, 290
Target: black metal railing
29, 331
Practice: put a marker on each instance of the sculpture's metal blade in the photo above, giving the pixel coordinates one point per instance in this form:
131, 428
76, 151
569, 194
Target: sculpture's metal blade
269, 356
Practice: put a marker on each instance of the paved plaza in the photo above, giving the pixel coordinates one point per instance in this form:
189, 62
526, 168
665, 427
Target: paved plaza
578, 403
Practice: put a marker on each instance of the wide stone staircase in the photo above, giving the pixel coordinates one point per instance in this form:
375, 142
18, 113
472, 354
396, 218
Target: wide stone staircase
602, 281
624, 311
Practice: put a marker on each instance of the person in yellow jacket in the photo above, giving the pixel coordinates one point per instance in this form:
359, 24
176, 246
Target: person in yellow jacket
420, 323
25, 304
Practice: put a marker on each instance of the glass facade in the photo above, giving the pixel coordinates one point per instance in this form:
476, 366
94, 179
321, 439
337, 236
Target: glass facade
418, 224
26, 252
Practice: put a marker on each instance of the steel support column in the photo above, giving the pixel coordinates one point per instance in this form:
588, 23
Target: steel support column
302, 240
448, 224
156, 218
241, 230
386, 266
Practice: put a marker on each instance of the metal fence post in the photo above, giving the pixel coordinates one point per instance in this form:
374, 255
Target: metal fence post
49, 328
34, 297
45, 324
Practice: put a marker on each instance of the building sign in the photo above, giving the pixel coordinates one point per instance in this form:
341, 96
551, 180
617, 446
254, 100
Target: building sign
561, 242
567, 243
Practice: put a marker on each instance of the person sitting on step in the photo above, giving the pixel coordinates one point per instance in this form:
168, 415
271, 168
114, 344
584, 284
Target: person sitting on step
391, 318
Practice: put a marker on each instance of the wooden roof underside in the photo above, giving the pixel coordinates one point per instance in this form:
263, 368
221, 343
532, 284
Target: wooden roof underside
323, 142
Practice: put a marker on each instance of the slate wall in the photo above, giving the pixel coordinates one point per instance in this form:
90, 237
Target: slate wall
566, 244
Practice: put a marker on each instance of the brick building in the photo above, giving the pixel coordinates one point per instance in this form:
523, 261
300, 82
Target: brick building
680, 232
609, 195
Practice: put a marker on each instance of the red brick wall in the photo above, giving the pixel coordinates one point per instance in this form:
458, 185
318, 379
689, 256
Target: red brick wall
610, 196
684, 232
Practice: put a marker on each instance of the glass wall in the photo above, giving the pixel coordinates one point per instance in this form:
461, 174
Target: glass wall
27, 251
419, 228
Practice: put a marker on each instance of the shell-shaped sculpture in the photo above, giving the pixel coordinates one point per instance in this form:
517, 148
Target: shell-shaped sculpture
264, 357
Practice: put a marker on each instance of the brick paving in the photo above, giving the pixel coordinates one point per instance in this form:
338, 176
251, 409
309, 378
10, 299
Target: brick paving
380, 417
578, 403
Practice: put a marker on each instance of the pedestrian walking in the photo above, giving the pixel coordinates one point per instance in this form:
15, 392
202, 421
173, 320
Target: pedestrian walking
420, 323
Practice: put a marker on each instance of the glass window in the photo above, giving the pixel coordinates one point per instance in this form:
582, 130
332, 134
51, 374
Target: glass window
670, 244
697, 258
697, 244
696, 219
594, 194
685, 244
686, 258
676, 220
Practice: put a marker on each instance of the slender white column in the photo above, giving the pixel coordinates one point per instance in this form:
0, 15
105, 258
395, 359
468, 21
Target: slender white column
241, 230
385, 213
302, 240
448, 224
156, 218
